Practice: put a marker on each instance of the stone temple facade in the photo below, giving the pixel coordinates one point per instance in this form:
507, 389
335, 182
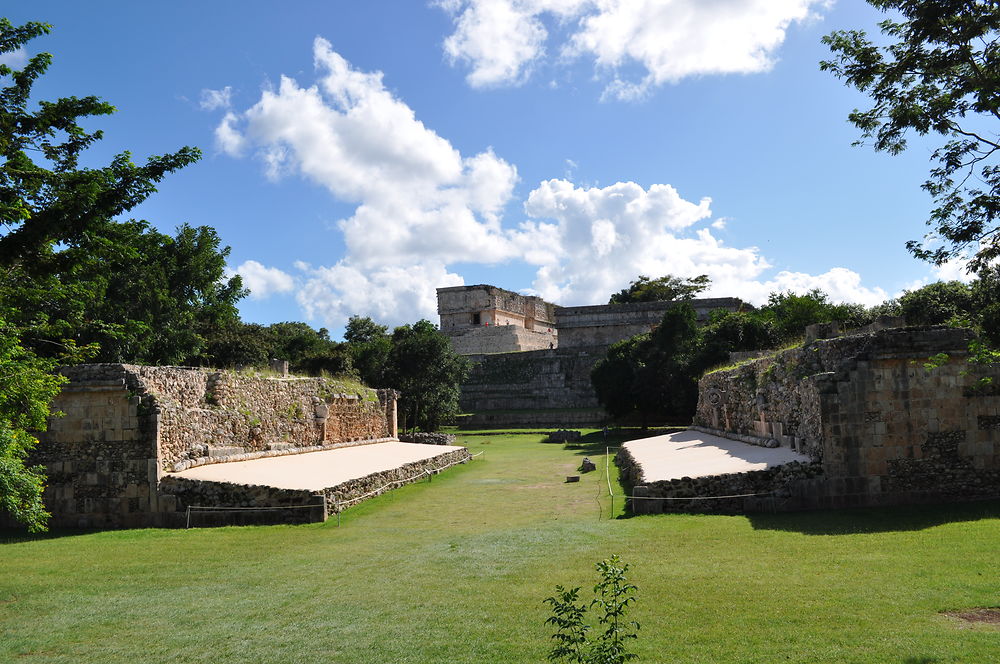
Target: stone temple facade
532, 359
487, 319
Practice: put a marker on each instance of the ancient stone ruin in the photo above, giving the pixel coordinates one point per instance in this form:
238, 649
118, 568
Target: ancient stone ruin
532, 359
880, 421
127, 428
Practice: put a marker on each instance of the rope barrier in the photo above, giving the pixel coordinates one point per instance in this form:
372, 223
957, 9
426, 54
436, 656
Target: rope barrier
258, 509
607, 474
739, 495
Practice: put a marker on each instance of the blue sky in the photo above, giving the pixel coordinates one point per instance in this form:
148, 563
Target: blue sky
360, 154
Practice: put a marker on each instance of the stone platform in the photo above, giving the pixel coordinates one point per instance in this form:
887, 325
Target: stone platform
695, 454
693, 471
300, 488
318, 471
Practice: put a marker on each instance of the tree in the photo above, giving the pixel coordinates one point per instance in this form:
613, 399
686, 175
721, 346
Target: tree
423, 366
791, 313
369, 346
616, 378
27, 385
653, 375
361, 330
938, 303
56, 200
673, 360
239, 345
140, 295
729, 331
70, 271
665, 289
50, 209
940, 75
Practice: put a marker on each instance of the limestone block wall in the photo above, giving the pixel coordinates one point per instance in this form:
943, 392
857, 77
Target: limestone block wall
884, 428
348, 493
543, 379
759, 490
254, 505
604, 324
125, 425
500, 339
100, 457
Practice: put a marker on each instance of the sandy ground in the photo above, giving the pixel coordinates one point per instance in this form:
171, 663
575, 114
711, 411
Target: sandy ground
696, 454
317, 470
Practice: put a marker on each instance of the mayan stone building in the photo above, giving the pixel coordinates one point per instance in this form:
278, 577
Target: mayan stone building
881, 422
532, 359
487, 319
125, 429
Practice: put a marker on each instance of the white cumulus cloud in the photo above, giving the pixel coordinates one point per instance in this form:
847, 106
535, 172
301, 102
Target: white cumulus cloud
422, 207
597, 240
500, 40
264, 281
419, 201
394, 294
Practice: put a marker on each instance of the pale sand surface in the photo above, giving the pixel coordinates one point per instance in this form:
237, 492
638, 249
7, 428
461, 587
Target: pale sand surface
317, 470
696, 454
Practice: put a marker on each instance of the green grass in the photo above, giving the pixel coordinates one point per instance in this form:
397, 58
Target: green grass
455, 570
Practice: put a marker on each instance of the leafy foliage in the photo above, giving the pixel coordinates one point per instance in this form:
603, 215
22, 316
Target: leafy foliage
939, 75
790, 313
56, 200
653, 375
423, 366
136, 294
667, 288
27, 385
74, 283
613, 596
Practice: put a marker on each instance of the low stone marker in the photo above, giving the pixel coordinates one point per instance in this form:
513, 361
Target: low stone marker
587, 465
564, 436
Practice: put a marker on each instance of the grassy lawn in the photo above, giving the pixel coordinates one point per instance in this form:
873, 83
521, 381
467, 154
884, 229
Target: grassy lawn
455, 570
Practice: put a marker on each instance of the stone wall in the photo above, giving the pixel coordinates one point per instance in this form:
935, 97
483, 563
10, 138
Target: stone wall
885, 428
125, 425
558, 378
499, 339
243, 505
604, 324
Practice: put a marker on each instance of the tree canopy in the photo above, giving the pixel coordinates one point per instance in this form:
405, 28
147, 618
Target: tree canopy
653, 375
27, 385
74, 282
939, 75
423, 366
667, 288
45, 195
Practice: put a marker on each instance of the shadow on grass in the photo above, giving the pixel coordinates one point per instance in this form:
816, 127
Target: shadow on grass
9, 535
876, 519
